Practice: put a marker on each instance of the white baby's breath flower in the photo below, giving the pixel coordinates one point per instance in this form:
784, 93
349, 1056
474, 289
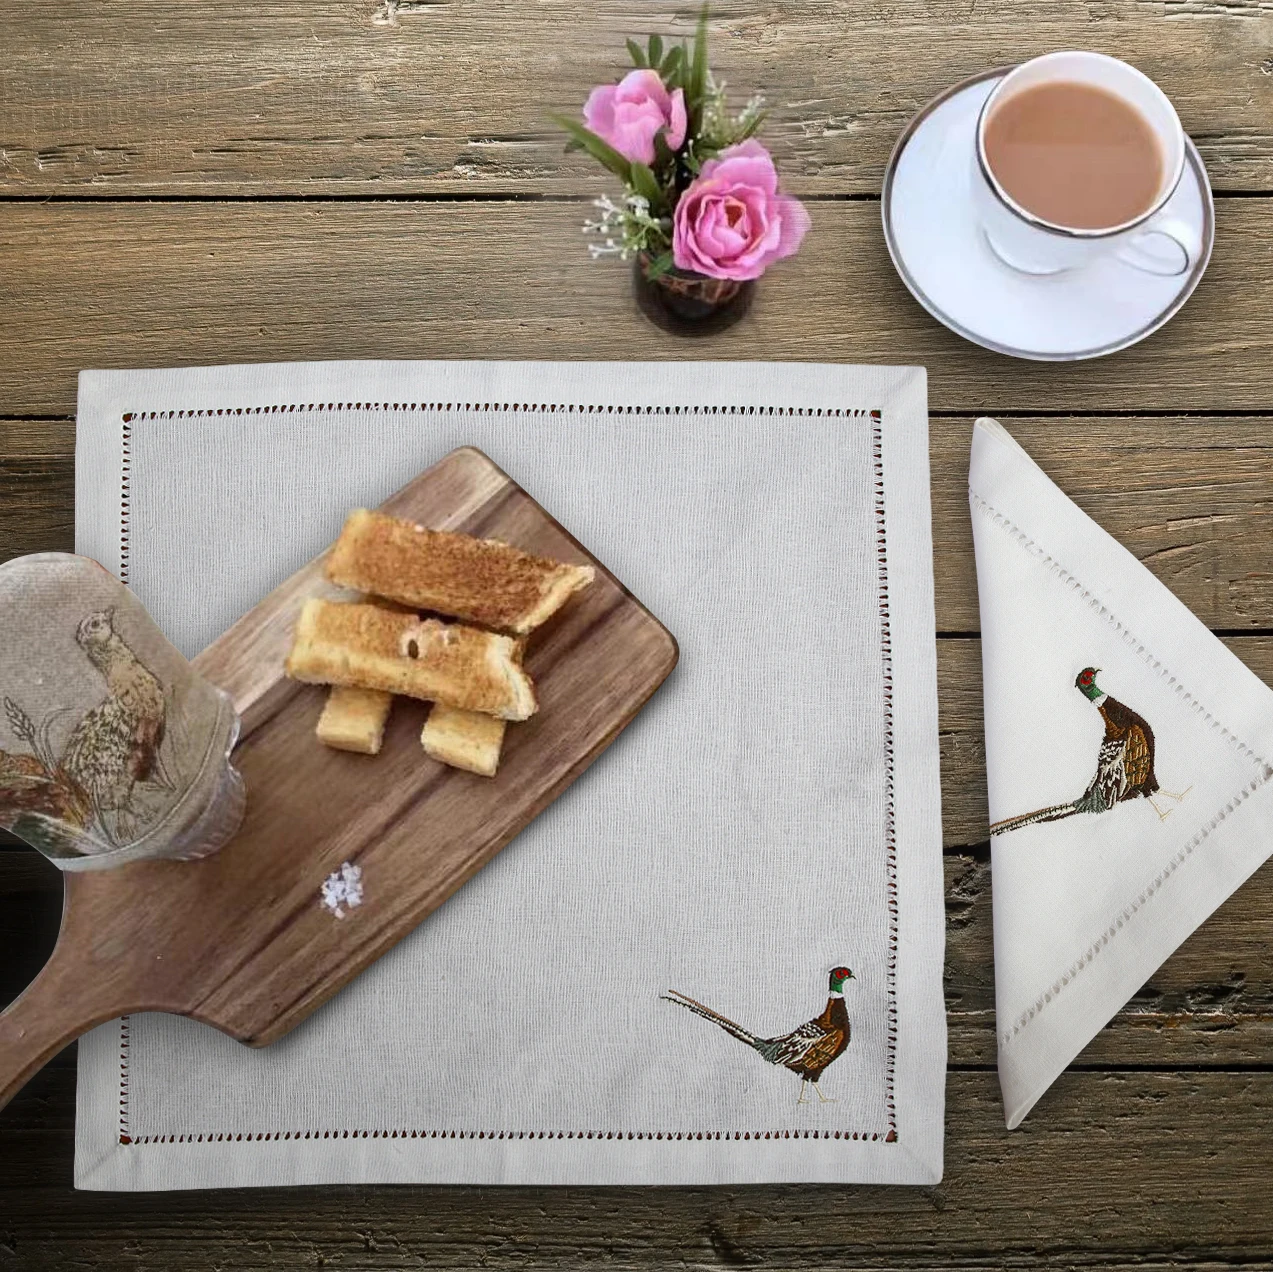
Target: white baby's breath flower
625, 228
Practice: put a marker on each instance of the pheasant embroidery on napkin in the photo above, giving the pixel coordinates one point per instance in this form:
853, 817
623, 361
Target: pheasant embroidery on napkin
808, 1050
1124, 764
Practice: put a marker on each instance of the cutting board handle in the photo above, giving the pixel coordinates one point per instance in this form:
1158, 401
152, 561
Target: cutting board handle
54, 1010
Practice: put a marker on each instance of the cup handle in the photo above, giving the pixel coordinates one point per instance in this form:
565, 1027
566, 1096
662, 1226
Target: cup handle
1183, 245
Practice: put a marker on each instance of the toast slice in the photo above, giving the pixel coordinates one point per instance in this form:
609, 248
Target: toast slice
463, 739
478, 581
354, 719
369, 647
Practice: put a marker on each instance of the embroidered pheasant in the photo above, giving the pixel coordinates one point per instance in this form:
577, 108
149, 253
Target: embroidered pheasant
1124, 764
807, 1051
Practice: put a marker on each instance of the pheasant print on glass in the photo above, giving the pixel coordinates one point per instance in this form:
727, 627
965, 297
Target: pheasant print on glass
808, 1051
1124, 765
111, 746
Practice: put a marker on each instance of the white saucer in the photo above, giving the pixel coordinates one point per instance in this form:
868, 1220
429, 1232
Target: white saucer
939, 250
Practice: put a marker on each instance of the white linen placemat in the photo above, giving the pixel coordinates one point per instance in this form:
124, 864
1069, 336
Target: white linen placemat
1127, 758
772, 814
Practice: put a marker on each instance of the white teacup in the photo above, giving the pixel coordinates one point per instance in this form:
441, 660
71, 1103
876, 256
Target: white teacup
1154, 241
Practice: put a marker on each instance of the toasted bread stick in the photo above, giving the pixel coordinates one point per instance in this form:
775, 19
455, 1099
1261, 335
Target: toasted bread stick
354, 719
476, 580
369, 647
463, 739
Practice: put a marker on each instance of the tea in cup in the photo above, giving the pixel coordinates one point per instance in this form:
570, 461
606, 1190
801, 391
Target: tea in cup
1077, 155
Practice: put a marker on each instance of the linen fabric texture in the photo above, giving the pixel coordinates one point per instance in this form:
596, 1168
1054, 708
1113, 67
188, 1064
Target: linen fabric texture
771, 814
1140, 740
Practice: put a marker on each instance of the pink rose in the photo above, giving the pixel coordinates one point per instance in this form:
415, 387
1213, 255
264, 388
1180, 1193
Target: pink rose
630, 114
732, 222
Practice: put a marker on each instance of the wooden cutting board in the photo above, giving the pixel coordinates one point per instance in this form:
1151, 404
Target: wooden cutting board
241, 940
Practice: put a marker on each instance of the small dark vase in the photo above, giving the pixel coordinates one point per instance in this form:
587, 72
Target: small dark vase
690, 304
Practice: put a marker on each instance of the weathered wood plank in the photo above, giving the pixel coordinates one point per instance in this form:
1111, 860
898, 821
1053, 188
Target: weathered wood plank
383, 96
98, 284
46, 1103
1191, 498
1208, 1006
37, 439
36, 505
1211, 1004
133, 97
1110, 1170
37, 484
37, 488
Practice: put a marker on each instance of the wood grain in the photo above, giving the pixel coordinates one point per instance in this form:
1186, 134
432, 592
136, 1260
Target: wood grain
239, 940
1210, 1004
37, 512
164, 284
1193, 499
1158, 1172
122, 97
1152, 1171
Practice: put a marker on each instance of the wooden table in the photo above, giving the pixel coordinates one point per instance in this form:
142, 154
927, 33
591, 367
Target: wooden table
219, 181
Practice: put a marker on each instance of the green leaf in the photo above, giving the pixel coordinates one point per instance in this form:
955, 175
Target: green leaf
696, 77
644, 183
664, 159
656, 49
697, 85
703, 152
601, 151
752, 126
673, 67
637, 53
659, 265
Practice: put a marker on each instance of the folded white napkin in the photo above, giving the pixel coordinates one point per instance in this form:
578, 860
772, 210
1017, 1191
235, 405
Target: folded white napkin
1127, 755
771, 815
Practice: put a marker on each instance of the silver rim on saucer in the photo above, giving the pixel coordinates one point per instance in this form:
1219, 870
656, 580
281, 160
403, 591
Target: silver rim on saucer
1194, 161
